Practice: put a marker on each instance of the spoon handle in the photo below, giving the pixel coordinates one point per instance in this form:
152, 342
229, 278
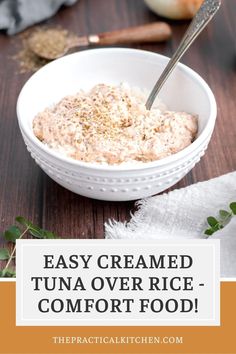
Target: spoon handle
151, 32
199, 22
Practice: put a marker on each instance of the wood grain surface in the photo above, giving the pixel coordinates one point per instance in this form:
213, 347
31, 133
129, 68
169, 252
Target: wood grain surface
25, 190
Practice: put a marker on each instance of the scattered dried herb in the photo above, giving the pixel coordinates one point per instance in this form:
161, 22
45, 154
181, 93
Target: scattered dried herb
17, 232
45, 41
225, 216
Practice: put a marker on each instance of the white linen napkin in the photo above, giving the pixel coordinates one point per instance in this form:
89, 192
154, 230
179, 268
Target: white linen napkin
182, 213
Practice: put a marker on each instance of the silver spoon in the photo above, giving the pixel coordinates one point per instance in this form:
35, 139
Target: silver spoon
204, 15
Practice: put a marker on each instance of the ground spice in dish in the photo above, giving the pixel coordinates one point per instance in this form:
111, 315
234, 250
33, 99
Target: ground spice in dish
111, 125
55, 38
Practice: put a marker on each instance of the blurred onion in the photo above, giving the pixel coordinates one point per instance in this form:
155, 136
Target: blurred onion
175, 9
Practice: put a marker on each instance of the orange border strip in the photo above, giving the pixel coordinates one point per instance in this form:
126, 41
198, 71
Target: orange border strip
38, 340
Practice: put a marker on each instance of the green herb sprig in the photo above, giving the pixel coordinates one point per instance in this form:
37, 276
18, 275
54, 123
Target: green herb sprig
17, 232
225, 216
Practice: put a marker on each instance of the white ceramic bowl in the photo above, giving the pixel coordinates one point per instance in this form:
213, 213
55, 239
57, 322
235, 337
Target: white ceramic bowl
184, 91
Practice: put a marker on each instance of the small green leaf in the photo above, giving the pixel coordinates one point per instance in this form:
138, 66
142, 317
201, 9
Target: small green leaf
21, 220
209, 232
36, 232
233, 207
8, 273
213, 222
4, 254
41, 233
224, 214
48, 234
12, 234
225, 218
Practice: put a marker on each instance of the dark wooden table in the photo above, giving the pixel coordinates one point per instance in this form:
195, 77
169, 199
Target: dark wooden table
25, 190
